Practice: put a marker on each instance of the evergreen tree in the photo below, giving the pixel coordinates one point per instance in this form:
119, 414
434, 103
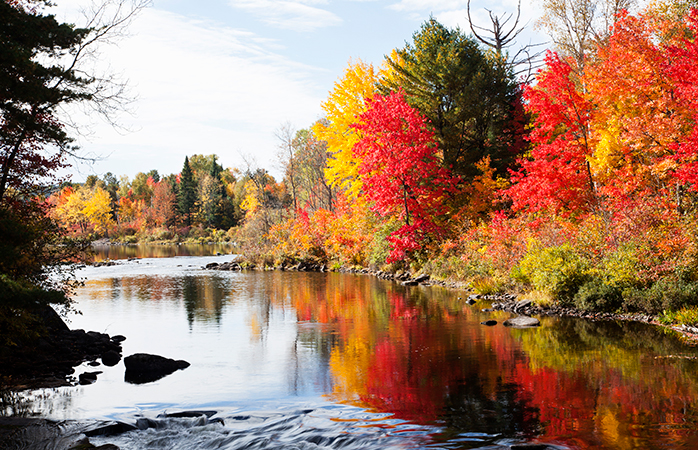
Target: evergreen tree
186, 195
469, 97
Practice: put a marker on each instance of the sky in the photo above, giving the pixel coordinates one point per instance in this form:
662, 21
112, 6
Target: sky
223, 76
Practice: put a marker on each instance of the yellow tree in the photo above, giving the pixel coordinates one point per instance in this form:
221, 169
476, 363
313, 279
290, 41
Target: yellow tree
70, 208
345, 102
97, 210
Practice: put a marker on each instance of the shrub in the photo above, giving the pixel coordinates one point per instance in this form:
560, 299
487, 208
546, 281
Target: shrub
596, 295
558, 271
667, 294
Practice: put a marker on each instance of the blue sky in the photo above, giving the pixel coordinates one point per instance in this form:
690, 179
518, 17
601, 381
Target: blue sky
222, 76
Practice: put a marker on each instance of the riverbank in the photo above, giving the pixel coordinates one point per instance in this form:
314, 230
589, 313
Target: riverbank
49, 360
507, 302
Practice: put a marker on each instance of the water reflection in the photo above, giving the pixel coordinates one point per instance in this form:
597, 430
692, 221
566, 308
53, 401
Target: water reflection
416, 354
116, 252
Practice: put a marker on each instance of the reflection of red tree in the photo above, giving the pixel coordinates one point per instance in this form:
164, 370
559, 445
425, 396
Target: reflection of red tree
566, 404
407, 354
407, 376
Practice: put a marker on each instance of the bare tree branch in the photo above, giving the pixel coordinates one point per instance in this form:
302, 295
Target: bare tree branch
525, 61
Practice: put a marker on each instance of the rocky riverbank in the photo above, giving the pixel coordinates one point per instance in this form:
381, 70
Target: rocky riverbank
498, 302
49, 360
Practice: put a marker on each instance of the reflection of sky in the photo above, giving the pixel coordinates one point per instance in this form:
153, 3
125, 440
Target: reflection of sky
249, 353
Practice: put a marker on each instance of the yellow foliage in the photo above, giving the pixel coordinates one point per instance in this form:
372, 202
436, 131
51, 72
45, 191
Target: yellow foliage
250, 204
71, 212
83, 207
97, 209
345, 102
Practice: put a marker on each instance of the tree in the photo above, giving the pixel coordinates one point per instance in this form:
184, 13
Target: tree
346, 101
556, 175
97, 210
288, 161
187, 192
310, 159
40, 61
470, 100
578, 26
503, 36
208, 197
163, 204
402, 175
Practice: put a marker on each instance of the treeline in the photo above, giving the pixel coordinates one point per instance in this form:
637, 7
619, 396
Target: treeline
203, 195
578, 188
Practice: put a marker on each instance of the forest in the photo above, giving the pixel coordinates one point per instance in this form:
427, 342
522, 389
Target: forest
572, 181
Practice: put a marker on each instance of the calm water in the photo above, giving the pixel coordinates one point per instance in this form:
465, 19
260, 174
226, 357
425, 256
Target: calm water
306, 360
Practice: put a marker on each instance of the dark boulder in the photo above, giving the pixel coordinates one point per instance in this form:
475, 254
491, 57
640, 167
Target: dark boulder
107, 428
145, 368
489, 323
111, 358
422, 278
47, 361
88, 377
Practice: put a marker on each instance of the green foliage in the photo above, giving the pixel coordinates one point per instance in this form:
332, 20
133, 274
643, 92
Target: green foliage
686, 316
596, 295
186, 194
667, 294
380, 246
559, 271
471, 100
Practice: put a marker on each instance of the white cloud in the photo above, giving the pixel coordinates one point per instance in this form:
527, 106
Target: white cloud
290, 15
201, 88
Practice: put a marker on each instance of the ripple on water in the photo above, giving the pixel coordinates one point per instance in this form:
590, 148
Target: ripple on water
297, 430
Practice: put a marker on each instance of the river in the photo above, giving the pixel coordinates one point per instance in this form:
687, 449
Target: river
328, 360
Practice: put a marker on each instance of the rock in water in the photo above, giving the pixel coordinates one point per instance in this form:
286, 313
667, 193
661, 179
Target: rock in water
144, 368
522, 322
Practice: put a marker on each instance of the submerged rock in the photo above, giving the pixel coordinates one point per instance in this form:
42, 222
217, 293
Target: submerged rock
145, 368
489, 323
522, 322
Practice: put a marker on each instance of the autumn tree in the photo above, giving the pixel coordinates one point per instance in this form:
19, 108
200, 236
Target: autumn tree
470, 100
556, 175
578, 26
311, 158
403, 179
343, 105
163, 204
304, 160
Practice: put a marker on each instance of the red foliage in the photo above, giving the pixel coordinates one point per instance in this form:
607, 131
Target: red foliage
683, 69
401, 172
556, 175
